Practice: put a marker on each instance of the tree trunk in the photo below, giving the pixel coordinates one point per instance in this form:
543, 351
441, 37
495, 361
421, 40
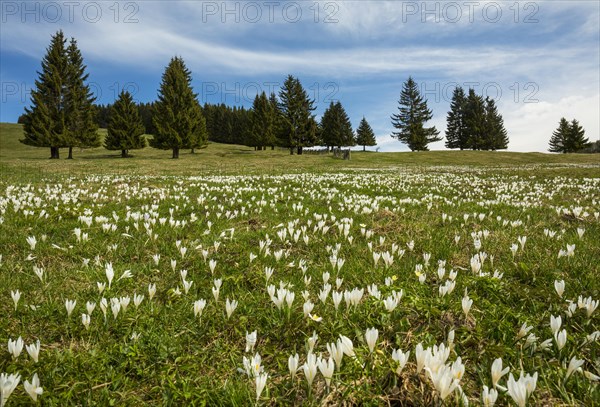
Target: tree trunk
70, 157
299, 150
291, 150
364, 148
175, 152
193, 151
124, 154
54, 153
272, 148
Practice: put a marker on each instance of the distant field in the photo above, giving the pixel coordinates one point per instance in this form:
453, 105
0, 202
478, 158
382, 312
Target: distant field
399, 279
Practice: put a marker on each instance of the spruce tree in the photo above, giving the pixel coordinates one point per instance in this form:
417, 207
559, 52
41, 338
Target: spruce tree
475, 122
262, 122
299, 128
178, 116
411, 119
558, 141
496, 137
125, 126
576, 140
45, 124
80, 112
455, 121
365, 135
568, 137
336, 129
278, 127
328, 127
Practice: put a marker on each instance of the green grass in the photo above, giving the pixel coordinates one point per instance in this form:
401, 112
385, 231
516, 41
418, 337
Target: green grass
156, 204
234, 159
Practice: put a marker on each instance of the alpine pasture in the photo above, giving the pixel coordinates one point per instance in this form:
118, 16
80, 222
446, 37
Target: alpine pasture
240, 277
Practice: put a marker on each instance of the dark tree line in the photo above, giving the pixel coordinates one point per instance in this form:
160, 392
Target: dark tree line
144, 110
226, 124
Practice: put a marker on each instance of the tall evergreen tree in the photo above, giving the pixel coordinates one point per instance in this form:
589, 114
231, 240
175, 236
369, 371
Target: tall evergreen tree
178, 116
125, 127
568, 137
347, 138
577, 140
411, 119
336, 129
328, 127
299, 125
496, 137
278, 127
455, 121
475, 121
262, 122
80, 112
365, 135
558, 141
45, 124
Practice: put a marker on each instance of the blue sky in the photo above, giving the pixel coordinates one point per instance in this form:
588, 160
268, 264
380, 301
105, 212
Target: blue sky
539, 59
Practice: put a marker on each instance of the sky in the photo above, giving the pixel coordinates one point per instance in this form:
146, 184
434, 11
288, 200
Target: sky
540, 59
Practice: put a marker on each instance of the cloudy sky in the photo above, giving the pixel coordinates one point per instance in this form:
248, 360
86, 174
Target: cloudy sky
539, 59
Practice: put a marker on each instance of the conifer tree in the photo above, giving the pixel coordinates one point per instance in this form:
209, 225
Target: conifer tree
576, 140
336, 129
496, 137
455, 121
365, 135
262, 123
80, 112
558, 141
45, 123
568, 137
328, 129
125, 126
62, 112
178, 116
475, 121
278, 127
411, 119
299, 125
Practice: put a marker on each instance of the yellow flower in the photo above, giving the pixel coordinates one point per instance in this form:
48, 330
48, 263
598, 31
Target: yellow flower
315, 317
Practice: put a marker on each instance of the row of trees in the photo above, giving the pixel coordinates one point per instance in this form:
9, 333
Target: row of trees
63, 114
472, 122
264, 125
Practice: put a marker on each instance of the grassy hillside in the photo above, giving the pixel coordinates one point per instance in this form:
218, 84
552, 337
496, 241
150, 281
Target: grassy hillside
16, 157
